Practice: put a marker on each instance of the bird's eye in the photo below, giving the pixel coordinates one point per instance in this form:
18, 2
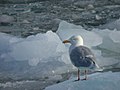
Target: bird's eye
75, 39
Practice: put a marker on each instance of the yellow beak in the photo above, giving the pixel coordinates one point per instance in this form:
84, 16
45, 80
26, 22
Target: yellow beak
66, 41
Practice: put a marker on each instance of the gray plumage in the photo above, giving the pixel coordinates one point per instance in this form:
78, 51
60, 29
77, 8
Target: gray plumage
82, 56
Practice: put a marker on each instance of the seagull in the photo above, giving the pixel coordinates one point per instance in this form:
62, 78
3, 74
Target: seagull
81, 56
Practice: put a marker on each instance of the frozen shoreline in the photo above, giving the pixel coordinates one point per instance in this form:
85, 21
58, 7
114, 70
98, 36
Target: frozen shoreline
97, 81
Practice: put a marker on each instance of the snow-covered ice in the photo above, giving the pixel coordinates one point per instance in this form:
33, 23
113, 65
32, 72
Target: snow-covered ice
96, 81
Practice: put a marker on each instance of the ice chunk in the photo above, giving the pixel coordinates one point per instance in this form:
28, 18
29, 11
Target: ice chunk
4, 43
55, 77
112, 25
32, 54
97, 81
110, 48
34, 61
38, 48
110, 41
66, 30
114, 35
107, 41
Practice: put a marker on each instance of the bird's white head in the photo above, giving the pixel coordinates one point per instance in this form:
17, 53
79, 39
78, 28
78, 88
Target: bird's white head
75, 40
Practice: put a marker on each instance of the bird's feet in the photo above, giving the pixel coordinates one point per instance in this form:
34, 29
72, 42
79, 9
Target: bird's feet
84, 79
78, 79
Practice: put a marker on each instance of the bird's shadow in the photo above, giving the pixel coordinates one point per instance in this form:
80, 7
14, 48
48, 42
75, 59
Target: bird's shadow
80, 80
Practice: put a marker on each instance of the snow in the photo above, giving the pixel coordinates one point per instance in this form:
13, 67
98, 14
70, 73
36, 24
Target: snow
96, 81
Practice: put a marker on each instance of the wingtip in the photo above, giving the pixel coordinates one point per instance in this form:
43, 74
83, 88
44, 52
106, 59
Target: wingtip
99, 69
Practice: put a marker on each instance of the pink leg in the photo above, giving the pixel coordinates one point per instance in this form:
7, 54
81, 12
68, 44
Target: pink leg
78, 74
85, 75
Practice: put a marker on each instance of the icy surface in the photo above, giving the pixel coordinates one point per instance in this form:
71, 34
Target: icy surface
38, 48
33, 48
104, 43
66, 30
14, 84
4, 43
110, 40
43, 54
26, 85
112, 25
97, 81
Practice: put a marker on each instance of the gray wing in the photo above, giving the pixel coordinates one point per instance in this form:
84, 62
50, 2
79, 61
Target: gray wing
82, 57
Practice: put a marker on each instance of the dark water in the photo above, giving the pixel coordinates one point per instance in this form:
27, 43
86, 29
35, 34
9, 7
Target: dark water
39, 17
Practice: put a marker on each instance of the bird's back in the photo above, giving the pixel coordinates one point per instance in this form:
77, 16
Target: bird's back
82, 56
